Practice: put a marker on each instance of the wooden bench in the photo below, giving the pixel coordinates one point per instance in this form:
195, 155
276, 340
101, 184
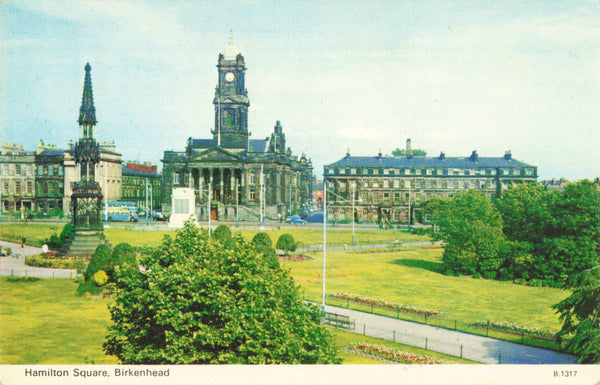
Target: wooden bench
338, 320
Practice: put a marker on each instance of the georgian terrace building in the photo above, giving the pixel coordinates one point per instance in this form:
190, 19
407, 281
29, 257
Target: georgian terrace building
387, 188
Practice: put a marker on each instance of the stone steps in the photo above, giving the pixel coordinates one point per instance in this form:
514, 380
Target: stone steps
83, 244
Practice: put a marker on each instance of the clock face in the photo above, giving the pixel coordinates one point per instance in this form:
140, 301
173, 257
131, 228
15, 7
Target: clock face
229, 76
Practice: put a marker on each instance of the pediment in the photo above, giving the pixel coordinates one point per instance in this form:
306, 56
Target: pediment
216, 154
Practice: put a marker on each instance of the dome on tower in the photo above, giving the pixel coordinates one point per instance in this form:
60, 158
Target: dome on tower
232, 50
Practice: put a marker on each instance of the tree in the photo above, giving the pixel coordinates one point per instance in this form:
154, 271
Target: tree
472, 230
580, 313
222, 233
262, 243
415, 152
196, 302
101, 260
286, 242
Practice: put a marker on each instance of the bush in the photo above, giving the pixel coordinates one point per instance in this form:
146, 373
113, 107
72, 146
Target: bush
53, 261
123, 254
222, 233
262, 242
22, 279
89, 287
100, 278
489, 274
101, 260
286, 242
476, 275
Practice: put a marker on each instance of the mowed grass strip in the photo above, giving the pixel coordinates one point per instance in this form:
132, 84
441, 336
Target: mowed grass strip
412, 276
37, 233
46, 322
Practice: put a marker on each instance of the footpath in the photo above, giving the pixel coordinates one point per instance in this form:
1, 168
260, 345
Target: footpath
470, 346
14, 264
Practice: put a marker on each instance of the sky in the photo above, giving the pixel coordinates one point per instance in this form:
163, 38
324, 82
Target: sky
341, 76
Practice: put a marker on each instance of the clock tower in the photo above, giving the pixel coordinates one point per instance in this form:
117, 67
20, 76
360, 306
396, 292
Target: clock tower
231, 100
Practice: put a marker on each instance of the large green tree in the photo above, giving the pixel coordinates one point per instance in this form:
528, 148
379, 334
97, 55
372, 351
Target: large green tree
472, 230
580, 313
197, 302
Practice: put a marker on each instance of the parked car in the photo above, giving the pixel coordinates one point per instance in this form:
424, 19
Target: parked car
158, 216
296, 220
315, 218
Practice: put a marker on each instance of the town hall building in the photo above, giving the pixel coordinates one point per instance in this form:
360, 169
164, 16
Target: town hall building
242, 177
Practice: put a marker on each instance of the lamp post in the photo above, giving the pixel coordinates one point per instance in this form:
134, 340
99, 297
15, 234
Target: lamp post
353, 192
208, 205
324, 240
151, 203
237, 204
262, 186
409, 222
146, 201
344, 199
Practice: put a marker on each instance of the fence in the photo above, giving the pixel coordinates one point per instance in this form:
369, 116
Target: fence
344, 246
429, 343
39, 273
445, 322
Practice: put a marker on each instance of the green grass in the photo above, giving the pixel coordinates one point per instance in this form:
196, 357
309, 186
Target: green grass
46, 322
344, 339
411, 276
37, 233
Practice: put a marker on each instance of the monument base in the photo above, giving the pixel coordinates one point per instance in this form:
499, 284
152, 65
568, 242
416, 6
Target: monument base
83, 243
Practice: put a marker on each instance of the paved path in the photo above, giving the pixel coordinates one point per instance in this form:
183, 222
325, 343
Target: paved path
473, 347
15, 263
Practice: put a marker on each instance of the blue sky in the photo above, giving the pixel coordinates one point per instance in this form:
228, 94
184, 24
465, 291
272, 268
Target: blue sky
452, 76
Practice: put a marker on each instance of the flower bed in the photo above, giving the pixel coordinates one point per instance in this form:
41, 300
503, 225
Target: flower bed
510, 328
398, 356
54, 261
381, 303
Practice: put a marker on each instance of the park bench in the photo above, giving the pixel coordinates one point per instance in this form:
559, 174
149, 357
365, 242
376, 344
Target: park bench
338, 320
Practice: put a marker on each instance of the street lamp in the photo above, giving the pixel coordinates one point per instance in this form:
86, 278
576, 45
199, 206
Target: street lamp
324, 239
344, 199
237, 204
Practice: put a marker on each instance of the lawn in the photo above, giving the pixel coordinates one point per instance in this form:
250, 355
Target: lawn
37, 233
46, 322
411, 276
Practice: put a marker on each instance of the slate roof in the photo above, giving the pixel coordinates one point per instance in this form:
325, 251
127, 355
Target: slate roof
52, 152
128, 171
424, 161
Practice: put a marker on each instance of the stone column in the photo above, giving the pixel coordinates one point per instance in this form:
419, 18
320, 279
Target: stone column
222, 190
200, 177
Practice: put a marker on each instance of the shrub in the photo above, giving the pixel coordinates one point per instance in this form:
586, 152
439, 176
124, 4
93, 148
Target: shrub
489, 274
286, 242
88, 287
100, 278
22, 279
476, 275
101, 260
222, 233
123, 254
262, 242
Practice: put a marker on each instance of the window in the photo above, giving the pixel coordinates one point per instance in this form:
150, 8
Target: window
429, 171
18, 169
528, 171
342, 171
418, 171
51, 171
365, 171
175, 178
504, 172
428, 183
386, 183
396, 183
330, 171
353, 171
386, 171
407, 171
418, 184
29, 187
5, 188
17, 187
516, 172
252, 196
